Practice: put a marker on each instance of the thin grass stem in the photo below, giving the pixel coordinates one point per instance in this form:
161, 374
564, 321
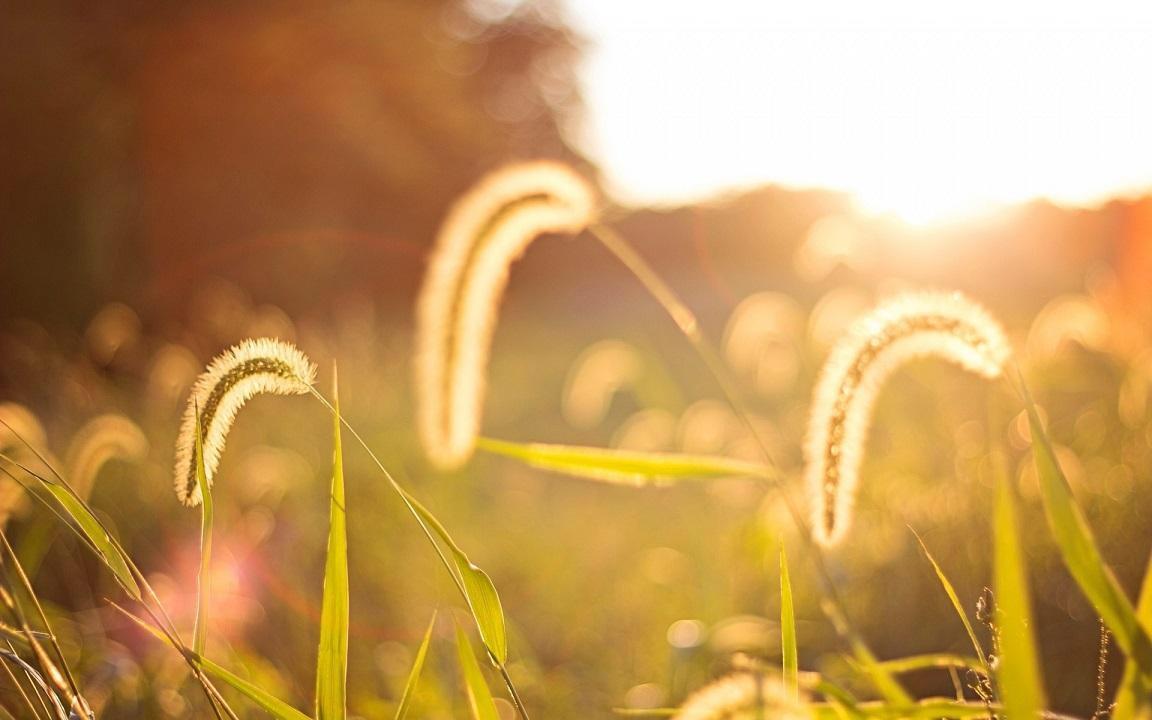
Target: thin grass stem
686, 321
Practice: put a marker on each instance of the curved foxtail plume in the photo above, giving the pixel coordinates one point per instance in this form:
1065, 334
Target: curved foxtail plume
741, 695
101, 440
264, 365
487, 230
944, 325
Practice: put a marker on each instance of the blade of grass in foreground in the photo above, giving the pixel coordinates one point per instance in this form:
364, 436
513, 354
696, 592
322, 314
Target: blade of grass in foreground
956, 605
264, 699
204, 579
942, 661
473, 583
94, 532
866, 663
686, 321
622, 467
1079, 550
332, 660
1018, 671
789, 660
479, 696
414, 674
1134, 696
479, 592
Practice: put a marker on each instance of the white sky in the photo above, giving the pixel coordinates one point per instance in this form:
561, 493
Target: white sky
915, 111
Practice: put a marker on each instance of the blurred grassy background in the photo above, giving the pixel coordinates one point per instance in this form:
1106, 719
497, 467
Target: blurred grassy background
179, 178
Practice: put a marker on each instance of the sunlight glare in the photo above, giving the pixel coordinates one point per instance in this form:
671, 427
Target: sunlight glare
922, 115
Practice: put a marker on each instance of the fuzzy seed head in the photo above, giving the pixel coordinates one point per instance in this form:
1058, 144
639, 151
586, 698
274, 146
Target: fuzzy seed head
741, 695
921, 324
263, 365
487, 230
101, 440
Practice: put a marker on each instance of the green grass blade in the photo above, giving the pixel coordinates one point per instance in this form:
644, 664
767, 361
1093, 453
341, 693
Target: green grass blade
332, 659
1080, 552
888, 686
865, 662
96, 534
479, 592
414, 674
956, 605
266, 700
623, 467
472, 582
839, 699
1018, 670
479, 696
1134, 695
933, 661
204, 579
789, 661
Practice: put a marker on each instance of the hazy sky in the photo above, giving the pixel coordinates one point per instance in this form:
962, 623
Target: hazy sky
925, 113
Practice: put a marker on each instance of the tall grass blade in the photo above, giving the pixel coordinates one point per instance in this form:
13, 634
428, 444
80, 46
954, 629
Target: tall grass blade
956, 604
477, 587
623, 467
332, 663
261, 697
686, 321
95, 532
1079, 550
865, 661
1018, 671
472, 582
204, 579
933, 661
58, 671
789, 661
1134, 696
479, 696
264, 699
414, 674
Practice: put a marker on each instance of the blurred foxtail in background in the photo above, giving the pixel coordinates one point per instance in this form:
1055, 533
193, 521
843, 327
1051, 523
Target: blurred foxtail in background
948, 326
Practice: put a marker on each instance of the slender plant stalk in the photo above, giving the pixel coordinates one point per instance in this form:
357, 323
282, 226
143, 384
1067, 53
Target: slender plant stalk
159, 614
204, 578
686, 320
409, 502
62, 679
19, 686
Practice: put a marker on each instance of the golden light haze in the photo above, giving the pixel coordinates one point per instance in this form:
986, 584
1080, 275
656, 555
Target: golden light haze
924, 112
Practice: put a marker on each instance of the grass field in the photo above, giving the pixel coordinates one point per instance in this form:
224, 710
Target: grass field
641, 564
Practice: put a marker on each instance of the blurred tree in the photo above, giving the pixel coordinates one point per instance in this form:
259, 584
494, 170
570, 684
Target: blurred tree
292, 148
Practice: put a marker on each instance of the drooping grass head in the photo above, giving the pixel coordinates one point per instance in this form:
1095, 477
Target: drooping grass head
263, 365
102, 439
487, 230
944, 325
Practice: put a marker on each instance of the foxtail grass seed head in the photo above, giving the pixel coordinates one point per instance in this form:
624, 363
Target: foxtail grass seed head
921, 324
264, 365
487, 230
101, 440
19, 425
741, 695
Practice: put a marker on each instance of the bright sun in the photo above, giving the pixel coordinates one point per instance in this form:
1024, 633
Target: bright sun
929, 117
